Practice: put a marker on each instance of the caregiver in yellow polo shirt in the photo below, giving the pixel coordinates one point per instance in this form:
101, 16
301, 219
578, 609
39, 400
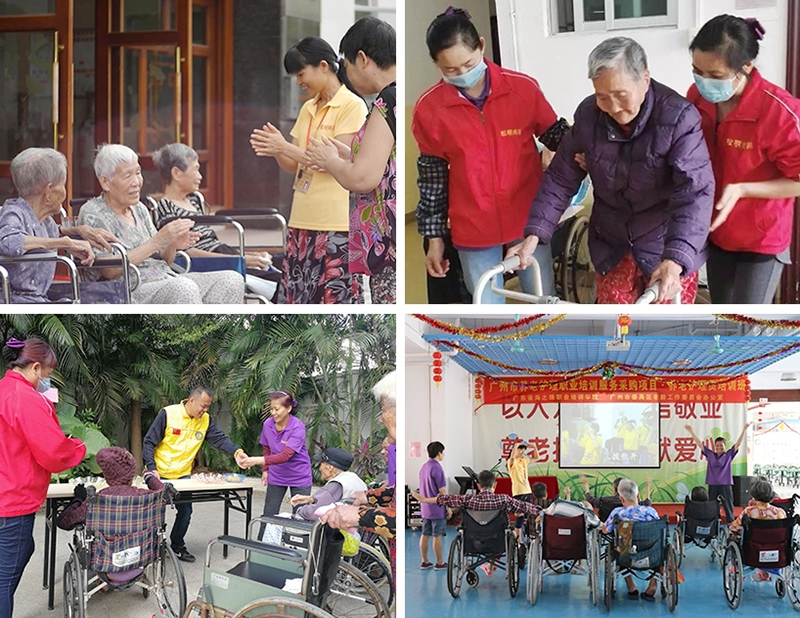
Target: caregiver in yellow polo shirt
171, 444
315, 269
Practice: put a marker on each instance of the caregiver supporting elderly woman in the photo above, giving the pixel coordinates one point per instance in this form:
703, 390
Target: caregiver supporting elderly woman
752, 130
26, 224
643, 148
119, 211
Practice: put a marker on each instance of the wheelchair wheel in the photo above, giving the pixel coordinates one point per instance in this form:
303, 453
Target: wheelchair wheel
455, 566
793, 579
595, 583
534, 569
279, 607
732, 571
578, 274
377, 542
353, 595
671, 578
679, 543
718, 546
522, 555
170, 583
73, 588
780, 588
472, 579
372, 563
608, 588
512, 566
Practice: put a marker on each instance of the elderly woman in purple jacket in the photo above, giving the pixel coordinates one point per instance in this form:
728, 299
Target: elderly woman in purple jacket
642, 145
26, 223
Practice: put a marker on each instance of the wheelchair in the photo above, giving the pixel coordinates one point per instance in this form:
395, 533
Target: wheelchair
279, 581
557, 546
765, 544
700, 524
123, 544
371, 563
483, 537
650, 550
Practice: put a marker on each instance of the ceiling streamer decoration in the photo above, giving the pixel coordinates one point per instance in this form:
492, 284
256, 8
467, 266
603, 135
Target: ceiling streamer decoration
485, 332
744, 319
632, 369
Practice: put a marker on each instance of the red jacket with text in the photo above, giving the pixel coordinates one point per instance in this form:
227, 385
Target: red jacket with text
759, 140
32, 446
495, 166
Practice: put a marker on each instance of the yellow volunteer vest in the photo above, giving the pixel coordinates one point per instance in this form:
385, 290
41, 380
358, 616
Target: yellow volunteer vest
183, 437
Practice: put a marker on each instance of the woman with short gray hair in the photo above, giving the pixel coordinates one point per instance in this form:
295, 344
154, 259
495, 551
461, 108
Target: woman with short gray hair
631, 510
179, 167
119, 211
643, 148
26, 224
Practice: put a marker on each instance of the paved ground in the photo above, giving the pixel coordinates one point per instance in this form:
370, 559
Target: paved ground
31, 598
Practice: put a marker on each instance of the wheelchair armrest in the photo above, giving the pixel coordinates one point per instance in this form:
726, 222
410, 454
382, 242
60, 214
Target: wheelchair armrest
247, 212
46, 255
199, 219
255, 546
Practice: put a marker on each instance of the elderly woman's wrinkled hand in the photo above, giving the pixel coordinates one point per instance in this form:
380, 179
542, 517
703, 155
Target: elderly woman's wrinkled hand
175, 234
267, 141
341, 517
82, 250
297, 500
255, 260
524, 251
97, 237
359, 497
669, 274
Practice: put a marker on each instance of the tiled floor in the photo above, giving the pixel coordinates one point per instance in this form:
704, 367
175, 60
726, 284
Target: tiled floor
565, 596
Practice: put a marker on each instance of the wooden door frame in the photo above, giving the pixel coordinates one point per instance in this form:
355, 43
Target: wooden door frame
790, 281
60, 22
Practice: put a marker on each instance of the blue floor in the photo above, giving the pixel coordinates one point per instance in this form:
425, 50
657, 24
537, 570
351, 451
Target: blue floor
701, 595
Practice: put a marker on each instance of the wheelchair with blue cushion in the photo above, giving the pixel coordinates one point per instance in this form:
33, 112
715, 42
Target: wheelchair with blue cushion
484, 537
700, 524
650, 554
769, 544
273, 580
559, 543
295, 533
123, 544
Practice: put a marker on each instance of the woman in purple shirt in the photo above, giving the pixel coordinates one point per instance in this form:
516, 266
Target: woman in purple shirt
719, 477
286, 463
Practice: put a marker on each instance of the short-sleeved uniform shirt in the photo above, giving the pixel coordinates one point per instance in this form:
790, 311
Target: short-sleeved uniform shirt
325, 207
431, 480
518, 471
297, 471
719, 466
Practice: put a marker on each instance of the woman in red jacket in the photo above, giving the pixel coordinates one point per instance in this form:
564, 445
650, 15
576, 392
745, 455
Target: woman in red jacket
479, 166
752, 128
31, 449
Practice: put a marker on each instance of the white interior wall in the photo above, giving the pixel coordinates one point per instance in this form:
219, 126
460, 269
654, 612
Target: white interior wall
336, 17
442, 413
559, 62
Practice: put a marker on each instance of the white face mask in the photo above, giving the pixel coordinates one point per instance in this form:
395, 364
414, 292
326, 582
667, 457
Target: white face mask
470, 78
42, 384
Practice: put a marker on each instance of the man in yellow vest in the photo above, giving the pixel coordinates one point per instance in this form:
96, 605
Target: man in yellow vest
171, 445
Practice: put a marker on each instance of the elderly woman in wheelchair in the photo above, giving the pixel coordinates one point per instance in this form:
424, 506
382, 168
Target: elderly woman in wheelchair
700, 524
119, 540
26, 224
639, 543
763, 537
119, 211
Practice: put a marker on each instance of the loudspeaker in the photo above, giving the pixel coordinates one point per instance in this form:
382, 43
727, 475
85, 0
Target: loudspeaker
741, 490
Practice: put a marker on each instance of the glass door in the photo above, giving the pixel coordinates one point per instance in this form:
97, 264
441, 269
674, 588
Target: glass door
36, 90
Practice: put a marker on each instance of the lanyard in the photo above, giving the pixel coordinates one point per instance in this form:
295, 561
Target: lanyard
311, 124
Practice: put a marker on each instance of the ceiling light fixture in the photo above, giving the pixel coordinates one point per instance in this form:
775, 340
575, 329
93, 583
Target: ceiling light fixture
548, 361
682, 363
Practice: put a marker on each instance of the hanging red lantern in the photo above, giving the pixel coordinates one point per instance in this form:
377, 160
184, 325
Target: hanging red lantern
437, 371
437, 379
437, 363
437, 354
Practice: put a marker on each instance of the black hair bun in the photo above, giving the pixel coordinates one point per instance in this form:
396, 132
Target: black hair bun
12, 349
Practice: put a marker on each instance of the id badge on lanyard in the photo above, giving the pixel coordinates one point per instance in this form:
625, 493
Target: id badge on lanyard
304, 175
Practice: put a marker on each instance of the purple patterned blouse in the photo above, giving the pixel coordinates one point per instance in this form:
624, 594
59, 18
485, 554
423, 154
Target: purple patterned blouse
29, 282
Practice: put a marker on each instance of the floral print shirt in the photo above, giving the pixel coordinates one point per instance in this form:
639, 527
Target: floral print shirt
756, 510
373, 216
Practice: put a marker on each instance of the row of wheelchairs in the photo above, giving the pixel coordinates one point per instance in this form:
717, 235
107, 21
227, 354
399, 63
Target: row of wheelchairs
557, 544
786, 476
80, 286
123, 544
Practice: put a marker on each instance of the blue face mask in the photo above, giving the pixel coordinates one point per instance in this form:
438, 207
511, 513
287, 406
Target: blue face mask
715, 90
43, 384
468, 79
